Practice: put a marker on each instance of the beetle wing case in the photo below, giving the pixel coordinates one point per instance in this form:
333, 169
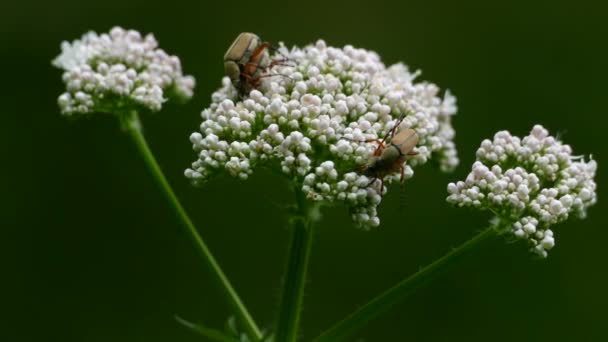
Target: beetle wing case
241, 48
406, 139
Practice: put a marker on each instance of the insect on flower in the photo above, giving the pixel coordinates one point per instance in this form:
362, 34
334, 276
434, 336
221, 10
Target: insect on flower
247, 60
389, 156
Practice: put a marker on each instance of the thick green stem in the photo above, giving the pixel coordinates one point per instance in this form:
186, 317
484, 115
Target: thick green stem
402, 290
296, 267
130, 122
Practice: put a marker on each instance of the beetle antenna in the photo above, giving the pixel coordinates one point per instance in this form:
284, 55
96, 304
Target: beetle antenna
273, 75
280, 61
378, 141
274, 47
277, 49
391, 132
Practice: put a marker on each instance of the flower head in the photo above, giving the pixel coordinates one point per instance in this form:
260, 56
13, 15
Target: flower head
534, 183
313, 115
119, 70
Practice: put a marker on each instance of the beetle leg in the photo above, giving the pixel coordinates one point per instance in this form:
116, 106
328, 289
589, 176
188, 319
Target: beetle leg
254, 80
248, 77
402, 173
252, 67
380, 147
250, 80
290, 79
280, 61
258, 50
412, 153
271, 75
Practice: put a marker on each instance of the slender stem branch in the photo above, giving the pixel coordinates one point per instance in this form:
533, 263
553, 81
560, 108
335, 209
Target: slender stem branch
402, 290
296, 267
132, 125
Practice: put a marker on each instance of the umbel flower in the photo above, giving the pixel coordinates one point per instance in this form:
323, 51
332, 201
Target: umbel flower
311, 118
118, 71
532, 183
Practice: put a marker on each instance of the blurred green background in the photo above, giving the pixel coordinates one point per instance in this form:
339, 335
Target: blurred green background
89, 251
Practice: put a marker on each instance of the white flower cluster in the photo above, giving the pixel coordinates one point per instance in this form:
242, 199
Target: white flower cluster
534, 182
119, 70
313, 114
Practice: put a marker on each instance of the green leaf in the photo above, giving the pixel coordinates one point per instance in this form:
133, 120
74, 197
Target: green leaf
231, 328
268, 337
212, 334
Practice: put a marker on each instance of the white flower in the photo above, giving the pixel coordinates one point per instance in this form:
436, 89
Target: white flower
534, 182
313, 116
117, 71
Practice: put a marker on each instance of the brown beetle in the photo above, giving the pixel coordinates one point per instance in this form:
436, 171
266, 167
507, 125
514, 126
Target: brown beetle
246, 61
388, 158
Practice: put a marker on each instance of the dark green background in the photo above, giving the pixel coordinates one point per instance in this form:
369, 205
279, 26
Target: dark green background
89, 251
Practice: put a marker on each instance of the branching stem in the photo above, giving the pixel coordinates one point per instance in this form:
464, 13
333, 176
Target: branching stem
131, 124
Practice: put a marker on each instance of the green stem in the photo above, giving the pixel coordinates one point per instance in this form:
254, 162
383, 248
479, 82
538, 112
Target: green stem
296, 267
130, 122
402, 290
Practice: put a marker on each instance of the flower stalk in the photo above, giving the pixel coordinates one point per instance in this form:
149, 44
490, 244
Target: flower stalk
404, 289
131, 124
296, 268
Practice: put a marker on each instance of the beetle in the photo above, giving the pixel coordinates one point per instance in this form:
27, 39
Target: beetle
388, 158
246, 60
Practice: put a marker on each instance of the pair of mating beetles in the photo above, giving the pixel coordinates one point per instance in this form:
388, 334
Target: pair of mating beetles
247, 61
